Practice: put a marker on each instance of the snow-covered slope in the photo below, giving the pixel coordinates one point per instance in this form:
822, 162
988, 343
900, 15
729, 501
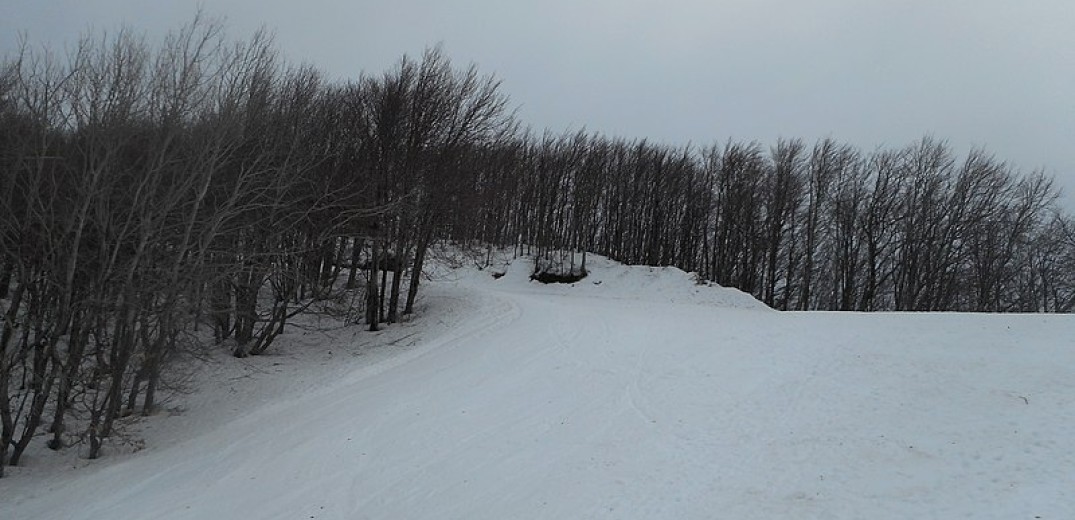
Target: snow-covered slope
642, 396
607, 279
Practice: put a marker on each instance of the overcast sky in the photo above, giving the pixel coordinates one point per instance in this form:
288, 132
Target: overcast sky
992, 73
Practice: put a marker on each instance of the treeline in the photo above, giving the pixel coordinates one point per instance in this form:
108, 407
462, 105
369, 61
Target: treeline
155, 197
162, 197
821, 227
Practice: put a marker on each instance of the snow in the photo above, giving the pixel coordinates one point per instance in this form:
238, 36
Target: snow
633, 393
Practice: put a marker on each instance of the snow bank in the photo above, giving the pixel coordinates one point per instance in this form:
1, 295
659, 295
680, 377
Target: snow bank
605, 278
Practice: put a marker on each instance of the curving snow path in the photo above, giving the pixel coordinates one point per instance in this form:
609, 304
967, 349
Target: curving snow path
565, 403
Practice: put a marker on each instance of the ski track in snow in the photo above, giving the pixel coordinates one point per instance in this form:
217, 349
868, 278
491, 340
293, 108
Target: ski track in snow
642, 397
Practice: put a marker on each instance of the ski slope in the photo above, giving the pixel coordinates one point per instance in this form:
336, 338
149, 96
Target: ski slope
633, 394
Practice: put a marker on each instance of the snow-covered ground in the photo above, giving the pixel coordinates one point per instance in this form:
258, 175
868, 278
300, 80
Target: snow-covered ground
635, 393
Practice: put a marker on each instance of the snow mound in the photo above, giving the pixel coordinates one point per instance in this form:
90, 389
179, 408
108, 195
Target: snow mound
605, 278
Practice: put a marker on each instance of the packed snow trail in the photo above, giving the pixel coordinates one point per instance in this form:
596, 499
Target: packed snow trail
565, 403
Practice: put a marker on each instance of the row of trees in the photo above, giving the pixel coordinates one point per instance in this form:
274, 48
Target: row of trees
151, 193
827, 227
160, 197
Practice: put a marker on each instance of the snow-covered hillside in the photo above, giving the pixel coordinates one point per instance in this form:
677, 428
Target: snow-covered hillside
634, 393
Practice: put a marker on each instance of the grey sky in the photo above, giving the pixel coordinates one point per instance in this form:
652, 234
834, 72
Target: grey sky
993, 73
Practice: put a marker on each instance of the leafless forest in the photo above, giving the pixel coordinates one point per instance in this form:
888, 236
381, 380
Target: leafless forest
196, 192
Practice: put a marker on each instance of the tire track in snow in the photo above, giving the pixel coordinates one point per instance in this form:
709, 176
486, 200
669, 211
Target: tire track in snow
633, 390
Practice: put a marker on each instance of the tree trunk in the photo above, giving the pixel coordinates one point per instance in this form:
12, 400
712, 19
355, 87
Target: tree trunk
371, 289
397, 282
79, 337
352, 275
416, 270
5, 278
42, 391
